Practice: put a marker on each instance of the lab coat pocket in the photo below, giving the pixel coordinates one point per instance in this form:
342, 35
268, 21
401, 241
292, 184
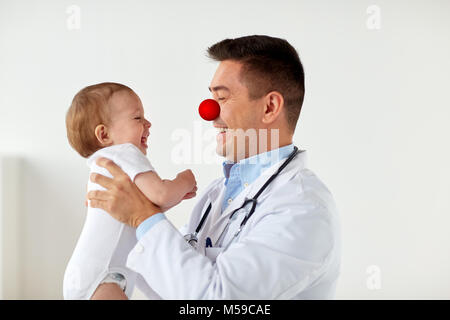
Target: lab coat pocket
213, 252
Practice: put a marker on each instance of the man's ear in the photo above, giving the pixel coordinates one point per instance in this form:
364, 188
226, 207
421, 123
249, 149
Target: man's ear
274, 105
102, 135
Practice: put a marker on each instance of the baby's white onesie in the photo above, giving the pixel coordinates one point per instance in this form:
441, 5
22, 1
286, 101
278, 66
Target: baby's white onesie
104, 242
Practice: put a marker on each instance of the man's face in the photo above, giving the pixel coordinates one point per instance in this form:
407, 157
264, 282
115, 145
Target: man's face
237, 111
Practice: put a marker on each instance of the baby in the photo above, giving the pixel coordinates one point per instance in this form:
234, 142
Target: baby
107, 120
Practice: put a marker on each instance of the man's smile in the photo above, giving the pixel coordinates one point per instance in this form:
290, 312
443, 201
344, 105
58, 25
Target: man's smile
222, 130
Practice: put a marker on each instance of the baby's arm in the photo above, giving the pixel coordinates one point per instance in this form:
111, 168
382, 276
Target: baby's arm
165, 193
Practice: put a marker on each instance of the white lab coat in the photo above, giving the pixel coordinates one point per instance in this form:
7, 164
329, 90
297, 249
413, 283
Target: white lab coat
289, 248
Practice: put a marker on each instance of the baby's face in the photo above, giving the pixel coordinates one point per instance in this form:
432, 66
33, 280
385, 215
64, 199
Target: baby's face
128, 124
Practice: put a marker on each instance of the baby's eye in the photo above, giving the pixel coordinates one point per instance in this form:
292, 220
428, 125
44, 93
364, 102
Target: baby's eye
137, 118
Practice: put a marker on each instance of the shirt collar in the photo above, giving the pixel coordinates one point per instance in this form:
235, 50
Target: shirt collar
250, 168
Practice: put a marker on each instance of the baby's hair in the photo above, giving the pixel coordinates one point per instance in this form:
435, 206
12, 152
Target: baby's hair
90, 107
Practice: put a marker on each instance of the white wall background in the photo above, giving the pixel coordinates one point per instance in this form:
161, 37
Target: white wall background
375, 119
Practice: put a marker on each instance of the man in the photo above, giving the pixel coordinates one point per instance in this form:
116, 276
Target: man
290, 247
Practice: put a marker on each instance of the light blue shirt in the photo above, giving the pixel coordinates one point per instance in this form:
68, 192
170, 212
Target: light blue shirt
237, 176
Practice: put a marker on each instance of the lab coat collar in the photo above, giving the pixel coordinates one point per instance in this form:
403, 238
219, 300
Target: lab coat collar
215, 191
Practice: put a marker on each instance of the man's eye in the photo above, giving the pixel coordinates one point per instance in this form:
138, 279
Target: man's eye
220, 99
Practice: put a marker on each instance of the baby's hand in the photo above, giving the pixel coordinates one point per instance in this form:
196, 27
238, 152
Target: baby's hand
188, 177
190, 194
185, 183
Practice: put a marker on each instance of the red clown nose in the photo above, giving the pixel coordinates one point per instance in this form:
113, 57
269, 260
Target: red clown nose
209, 109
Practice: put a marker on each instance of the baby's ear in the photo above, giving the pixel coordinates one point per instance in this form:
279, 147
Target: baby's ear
102, 134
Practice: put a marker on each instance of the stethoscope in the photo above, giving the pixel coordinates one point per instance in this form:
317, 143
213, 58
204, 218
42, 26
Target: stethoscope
192, 238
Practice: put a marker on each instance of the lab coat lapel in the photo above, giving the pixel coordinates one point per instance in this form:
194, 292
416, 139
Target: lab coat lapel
215, 197
222, 218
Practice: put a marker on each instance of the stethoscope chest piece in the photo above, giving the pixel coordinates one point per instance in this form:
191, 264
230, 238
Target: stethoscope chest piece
192, 239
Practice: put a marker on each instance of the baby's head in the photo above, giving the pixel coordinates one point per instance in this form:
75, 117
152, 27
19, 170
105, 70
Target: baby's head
106, 114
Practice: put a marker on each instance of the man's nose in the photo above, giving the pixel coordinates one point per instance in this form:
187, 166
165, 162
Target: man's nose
209, 109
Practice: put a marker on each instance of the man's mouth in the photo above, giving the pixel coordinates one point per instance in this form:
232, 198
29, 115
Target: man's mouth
222, 130
220, 126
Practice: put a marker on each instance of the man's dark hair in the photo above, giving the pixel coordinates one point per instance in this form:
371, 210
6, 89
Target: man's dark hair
269, 64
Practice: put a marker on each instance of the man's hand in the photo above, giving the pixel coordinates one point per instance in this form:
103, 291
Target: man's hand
122, 199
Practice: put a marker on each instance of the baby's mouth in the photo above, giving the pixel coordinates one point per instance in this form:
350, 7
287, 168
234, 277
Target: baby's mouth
144, 140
